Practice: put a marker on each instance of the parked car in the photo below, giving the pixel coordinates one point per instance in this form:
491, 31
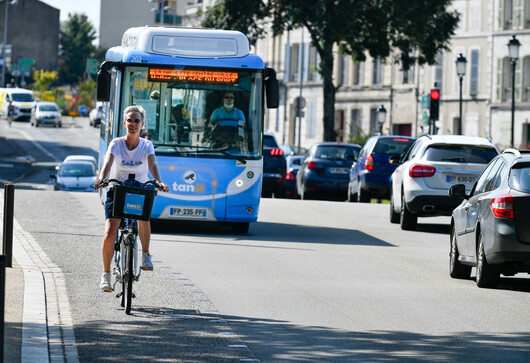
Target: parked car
46, 113
94, 116
325, 170
435, 162
293, 150
293, 165
370, 173
274, 168
88, 158
75, 176
490, 229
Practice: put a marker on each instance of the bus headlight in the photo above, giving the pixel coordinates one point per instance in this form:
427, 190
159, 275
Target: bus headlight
250, 210
250, 174
239, 182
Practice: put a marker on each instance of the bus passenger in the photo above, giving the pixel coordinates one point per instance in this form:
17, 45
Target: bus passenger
228, 122
133, 155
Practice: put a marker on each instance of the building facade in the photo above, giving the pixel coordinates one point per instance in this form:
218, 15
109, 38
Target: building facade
25, 38
482, 35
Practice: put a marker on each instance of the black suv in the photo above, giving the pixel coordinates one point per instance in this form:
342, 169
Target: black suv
274, 168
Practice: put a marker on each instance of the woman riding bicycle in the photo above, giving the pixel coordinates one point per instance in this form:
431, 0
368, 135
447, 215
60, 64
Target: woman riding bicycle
134, 155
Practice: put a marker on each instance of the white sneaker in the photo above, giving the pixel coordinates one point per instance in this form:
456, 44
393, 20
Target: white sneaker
105, 282
146, 262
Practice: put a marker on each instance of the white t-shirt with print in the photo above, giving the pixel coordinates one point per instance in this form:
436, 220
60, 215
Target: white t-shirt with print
130, 161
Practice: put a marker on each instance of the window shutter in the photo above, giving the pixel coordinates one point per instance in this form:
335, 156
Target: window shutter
517, 14
474, 76
499, 79
518, 80
501, 15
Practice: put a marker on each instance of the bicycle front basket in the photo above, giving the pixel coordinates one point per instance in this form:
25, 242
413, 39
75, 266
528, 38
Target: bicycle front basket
134, 203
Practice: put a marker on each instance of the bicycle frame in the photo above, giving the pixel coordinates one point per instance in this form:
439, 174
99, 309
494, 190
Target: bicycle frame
127, 235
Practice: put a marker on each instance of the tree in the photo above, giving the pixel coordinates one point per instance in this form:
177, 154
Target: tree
416, 29
75, 47
44, 79
245, 16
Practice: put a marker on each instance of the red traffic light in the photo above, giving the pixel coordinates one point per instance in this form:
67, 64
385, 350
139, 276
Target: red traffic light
435, 94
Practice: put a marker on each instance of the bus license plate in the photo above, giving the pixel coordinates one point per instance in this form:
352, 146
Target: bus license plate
187, 212
461, 179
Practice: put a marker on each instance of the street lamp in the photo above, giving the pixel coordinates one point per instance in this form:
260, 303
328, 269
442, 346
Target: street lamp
461, 72
513, 50
12, 2
381, 115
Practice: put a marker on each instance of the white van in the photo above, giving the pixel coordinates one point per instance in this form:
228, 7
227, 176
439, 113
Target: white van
23, 100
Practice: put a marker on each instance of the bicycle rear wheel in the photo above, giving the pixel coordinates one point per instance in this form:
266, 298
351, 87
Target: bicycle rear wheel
129, 274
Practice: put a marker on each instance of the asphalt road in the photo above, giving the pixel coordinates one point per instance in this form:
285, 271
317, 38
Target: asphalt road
311, 281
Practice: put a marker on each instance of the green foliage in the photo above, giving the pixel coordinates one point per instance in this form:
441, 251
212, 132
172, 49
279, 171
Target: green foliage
87, 93
44, 80
75, 47
245, 16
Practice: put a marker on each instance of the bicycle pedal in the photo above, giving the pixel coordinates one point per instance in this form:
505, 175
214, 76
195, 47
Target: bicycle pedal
119, 294
133, 295
147, 268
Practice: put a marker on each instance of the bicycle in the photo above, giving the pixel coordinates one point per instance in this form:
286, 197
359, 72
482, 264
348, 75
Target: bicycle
132, 201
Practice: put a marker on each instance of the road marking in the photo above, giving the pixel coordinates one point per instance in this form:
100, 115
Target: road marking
39, 146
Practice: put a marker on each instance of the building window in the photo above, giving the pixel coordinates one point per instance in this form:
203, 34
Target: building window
356, 73
374, 125
505, 14
311, 120
342, 69
407, 76
504, 80
377, 71
526, 78
355, 123
475, 16
295, 63
474, 72
314, 64
438, 71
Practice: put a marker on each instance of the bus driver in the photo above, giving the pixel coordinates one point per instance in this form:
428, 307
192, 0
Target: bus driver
228, 122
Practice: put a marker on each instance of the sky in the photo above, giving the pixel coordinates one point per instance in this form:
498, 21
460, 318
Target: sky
89, 7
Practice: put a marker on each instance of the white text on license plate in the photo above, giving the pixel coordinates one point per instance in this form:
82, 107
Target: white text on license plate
466, 179
187, 212
338, 170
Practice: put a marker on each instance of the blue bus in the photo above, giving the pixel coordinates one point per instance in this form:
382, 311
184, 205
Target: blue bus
180, 77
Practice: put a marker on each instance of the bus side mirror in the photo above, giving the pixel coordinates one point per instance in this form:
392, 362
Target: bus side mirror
272, 88
103, 87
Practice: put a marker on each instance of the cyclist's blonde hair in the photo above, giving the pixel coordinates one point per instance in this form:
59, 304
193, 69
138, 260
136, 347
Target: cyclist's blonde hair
134, 108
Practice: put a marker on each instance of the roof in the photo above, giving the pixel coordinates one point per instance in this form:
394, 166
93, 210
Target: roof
459, 139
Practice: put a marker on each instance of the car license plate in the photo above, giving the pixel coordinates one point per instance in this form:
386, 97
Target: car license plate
465, 179
188, 212
338, 170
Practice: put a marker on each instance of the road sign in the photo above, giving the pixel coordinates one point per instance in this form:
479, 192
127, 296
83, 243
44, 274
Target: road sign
24, 64
91, 65
425, 101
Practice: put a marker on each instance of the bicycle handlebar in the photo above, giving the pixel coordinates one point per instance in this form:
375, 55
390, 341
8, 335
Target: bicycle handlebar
106, 182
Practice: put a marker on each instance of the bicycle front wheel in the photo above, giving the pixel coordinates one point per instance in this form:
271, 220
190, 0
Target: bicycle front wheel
129, 274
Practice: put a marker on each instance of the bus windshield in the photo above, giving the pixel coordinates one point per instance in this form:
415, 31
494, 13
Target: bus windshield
198, 112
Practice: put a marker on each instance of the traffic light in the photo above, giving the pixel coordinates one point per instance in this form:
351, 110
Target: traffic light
434, 107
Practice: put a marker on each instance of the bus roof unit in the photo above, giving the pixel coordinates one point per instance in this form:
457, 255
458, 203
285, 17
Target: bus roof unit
187, 42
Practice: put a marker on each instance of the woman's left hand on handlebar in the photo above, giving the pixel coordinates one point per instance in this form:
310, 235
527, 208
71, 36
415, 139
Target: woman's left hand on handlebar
163, 187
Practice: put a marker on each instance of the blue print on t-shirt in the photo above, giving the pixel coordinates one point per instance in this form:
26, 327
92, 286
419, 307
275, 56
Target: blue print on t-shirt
131, 163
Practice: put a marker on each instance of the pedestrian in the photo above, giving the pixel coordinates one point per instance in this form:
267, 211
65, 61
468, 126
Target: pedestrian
133, 155
10, 113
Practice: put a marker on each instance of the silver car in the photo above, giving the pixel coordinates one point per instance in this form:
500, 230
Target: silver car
46, 113
433, 163
75, 176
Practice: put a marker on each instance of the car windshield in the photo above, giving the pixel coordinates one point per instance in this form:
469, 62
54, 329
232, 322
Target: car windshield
74, 169
22, 97
336, 153
520, 178
460, 153
48, 108
392, 146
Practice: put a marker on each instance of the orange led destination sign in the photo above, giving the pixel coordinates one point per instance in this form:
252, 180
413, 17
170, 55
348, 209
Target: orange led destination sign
188, 75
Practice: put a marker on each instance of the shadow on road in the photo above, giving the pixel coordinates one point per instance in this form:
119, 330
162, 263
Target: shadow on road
434, 228
156, 333
263, 231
